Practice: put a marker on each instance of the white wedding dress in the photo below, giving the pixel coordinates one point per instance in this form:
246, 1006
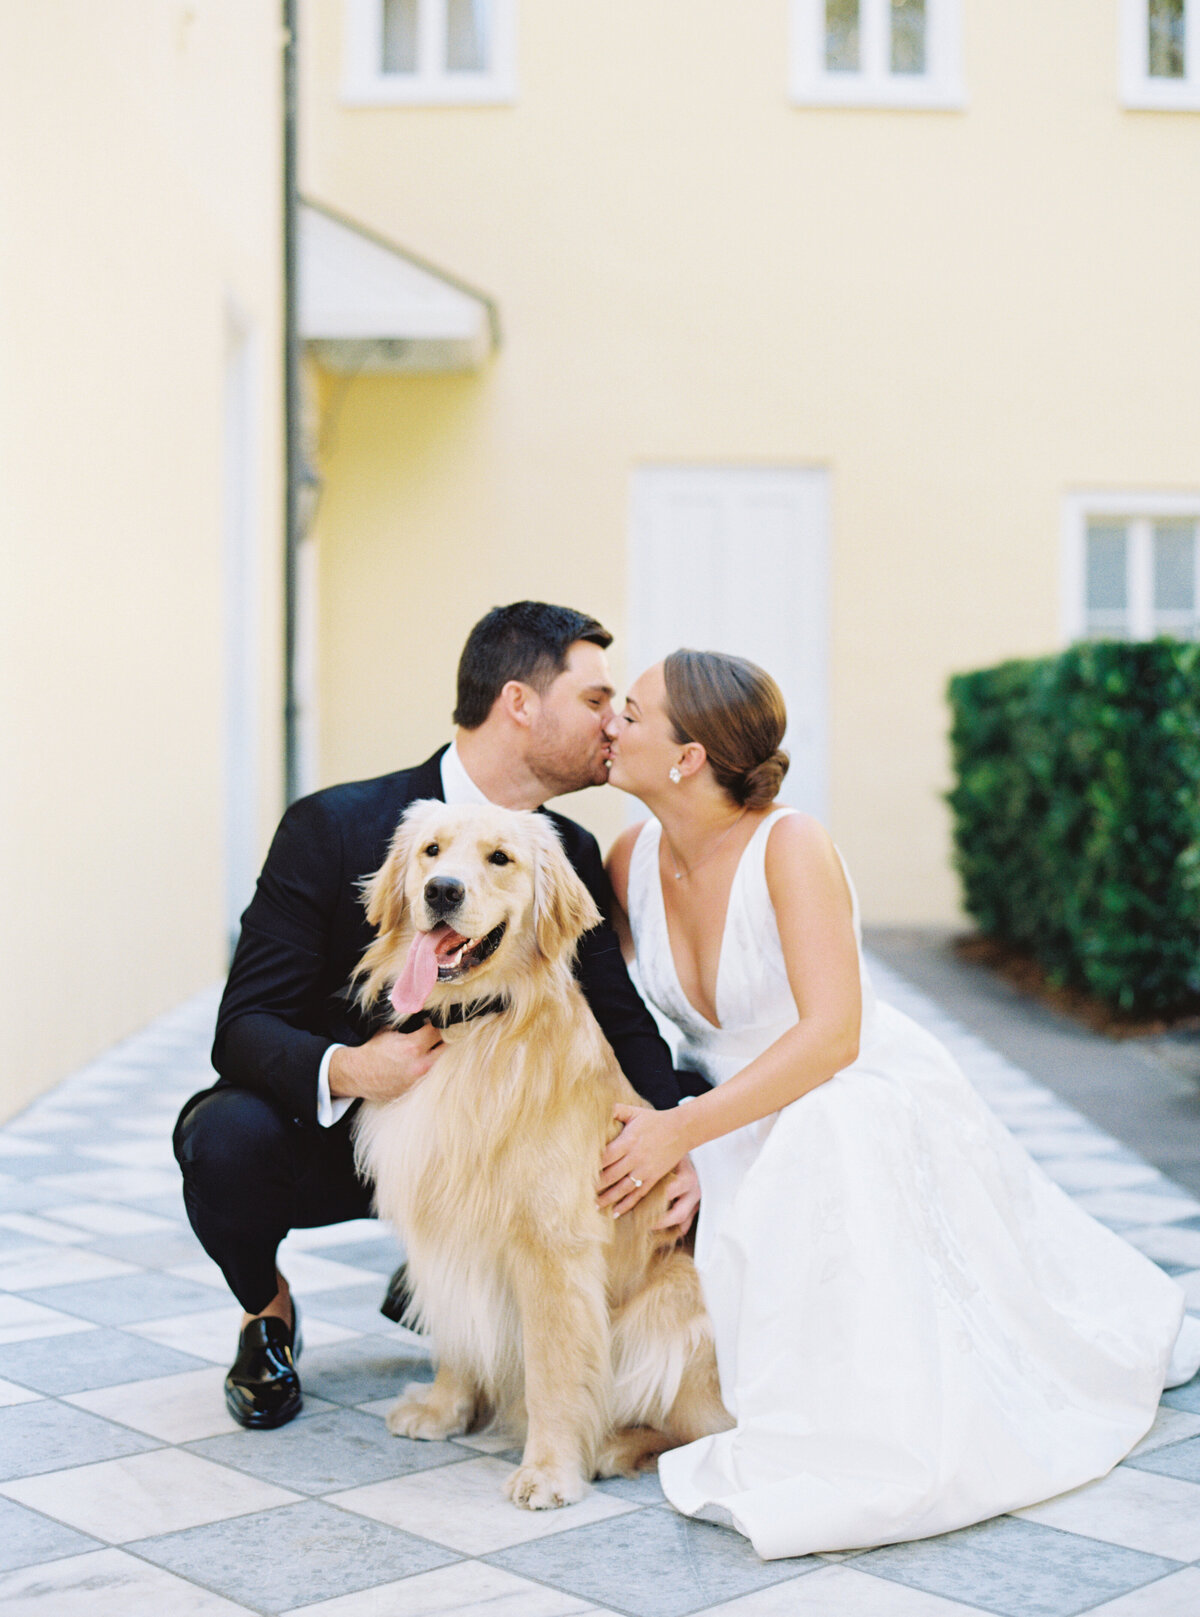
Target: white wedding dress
915, 1328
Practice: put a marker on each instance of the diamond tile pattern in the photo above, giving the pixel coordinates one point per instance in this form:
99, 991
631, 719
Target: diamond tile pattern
126, 1489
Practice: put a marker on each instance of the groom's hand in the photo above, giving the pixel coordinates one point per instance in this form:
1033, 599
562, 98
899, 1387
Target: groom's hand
683, 1198
387, 1065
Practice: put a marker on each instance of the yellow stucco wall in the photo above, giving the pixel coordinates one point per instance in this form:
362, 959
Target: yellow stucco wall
964, 315
141, 200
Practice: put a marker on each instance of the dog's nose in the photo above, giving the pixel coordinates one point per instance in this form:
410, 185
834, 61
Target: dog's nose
443, 894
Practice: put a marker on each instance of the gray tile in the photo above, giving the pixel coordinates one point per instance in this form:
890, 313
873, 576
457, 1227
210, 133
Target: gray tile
664, 1565
117, 1183
60, 1159
154, 1051
124, 1074
644, 1490
27, 1538
99, 1358
128, 1077
169, 1205
49, 1436
39, 1121
1124, 1154
159, 1249
1172, 1460
382, 1255
293, 1555
17, 1241
359, 1370
126, 1298
1185, 1397
31, 1130
1017, 1568
335, 1448
1165, 1186
27, 1196
355, 1307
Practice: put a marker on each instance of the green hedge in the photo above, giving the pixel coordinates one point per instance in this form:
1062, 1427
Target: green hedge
1077, 815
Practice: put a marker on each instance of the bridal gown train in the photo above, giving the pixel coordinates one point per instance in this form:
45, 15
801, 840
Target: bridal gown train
915, 1328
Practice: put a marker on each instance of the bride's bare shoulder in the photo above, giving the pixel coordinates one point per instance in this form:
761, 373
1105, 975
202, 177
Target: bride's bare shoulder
797, 844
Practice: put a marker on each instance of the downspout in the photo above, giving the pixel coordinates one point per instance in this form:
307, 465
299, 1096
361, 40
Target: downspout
293, 451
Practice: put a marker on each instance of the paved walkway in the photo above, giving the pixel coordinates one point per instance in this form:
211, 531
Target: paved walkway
1144, 1091
125, 1489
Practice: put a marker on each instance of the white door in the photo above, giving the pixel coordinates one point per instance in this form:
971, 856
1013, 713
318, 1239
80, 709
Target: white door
736, 559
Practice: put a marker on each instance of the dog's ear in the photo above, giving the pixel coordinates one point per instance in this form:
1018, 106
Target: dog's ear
383, 893
563, 909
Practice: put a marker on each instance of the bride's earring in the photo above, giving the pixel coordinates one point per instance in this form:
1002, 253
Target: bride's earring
673, 772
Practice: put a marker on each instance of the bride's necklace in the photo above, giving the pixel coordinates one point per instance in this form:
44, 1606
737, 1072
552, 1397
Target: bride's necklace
680, 874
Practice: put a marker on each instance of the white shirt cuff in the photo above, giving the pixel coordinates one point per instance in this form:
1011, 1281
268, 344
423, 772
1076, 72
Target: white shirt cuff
330, 1111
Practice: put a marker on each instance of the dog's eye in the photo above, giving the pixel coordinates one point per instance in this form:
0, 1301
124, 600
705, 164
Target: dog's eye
499, 858
432, 851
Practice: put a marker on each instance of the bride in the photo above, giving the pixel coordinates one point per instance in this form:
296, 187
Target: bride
915, 1328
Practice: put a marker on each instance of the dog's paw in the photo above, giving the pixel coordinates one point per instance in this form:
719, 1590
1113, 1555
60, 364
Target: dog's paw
411, 1416
543, 1487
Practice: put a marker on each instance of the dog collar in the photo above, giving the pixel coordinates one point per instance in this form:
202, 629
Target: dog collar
454, 1014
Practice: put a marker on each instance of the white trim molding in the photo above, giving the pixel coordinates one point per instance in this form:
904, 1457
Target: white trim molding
874, 83
366, 82
1137, 514
1140, 89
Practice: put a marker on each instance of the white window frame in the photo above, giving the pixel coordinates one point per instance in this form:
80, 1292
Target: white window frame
1138, 512
1138, 89
366, 84
811, 84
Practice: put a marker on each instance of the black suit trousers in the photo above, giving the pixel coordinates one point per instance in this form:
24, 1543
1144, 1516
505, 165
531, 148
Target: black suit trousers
250, 1175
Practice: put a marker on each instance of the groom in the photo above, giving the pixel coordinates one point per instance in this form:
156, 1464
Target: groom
267, 1149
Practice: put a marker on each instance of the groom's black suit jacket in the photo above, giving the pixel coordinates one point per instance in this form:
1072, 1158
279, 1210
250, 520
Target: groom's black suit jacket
305, 931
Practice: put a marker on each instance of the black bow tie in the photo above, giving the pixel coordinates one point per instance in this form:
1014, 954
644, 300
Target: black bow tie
453, 1014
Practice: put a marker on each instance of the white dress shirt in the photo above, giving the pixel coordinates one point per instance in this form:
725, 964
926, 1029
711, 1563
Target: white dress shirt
457, 787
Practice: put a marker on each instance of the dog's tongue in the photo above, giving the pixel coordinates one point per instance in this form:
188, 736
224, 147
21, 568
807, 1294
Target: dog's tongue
415, 983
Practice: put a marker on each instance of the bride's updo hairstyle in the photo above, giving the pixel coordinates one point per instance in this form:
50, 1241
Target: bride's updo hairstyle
735, 710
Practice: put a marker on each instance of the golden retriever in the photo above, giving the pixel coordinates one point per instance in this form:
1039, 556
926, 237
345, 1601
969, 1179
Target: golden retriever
547, 1315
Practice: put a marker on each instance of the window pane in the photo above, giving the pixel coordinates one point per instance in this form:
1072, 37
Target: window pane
1174, 566
1166, 19
400, 36
1105, 587
908, 36
841, 36
468, 36
1175, 578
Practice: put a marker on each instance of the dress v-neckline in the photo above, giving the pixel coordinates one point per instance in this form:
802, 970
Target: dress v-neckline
718, 1026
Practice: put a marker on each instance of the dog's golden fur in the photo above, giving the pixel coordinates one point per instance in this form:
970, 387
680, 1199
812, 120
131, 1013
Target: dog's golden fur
545, 1312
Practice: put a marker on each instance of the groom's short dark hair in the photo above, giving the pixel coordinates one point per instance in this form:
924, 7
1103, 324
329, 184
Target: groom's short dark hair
527, 641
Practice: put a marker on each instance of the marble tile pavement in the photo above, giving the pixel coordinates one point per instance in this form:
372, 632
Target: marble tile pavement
125, 1488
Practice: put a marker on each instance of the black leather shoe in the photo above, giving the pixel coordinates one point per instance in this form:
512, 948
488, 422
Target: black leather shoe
262, 1388
398, 1296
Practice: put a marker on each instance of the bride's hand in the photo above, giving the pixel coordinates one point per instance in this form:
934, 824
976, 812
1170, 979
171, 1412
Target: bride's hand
683, 1198
647, 1148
